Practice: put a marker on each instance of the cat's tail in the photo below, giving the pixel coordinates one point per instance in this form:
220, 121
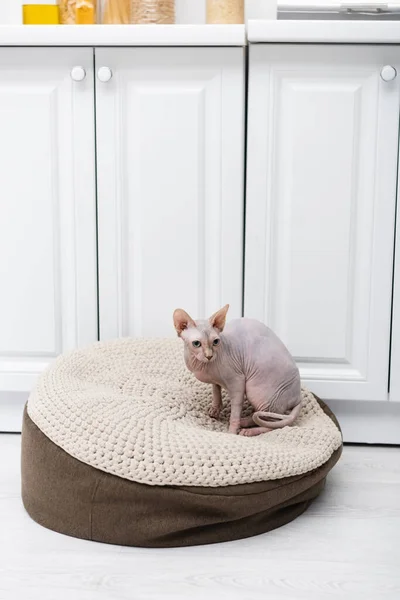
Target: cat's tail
274, 420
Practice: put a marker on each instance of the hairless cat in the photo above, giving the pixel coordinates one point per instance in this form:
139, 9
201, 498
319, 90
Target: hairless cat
247, 359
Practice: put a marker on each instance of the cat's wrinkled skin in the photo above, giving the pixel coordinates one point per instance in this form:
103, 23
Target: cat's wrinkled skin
248, 360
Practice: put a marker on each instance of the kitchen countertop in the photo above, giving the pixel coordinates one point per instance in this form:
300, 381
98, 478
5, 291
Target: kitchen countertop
258, 31
123, 35
324, 31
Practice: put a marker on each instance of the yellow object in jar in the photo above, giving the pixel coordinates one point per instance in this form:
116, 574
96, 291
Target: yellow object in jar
40, 13
85, 12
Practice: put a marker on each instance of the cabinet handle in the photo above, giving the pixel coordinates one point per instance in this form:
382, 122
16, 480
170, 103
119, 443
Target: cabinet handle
388, 73
78, 73
104, 74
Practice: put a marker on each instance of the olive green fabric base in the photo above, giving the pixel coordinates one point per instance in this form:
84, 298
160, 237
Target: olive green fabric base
73, 498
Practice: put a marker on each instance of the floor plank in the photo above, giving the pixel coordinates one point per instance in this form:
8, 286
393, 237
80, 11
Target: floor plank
345, 547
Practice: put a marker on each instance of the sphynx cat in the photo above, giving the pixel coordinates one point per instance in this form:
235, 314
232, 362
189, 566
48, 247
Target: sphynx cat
247, 359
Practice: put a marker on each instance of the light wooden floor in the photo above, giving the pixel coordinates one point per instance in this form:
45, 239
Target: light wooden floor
347, 546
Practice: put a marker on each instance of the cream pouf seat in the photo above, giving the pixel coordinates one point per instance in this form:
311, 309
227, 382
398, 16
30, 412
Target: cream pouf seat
118, 447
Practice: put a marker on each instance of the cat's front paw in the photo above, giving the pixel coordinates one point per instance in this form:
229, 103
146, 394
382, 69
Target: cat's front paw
234, 428
214, 412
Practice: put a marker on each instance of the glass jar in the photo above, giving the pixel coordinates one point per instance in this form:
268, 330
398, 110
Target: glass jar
79, 12
67, 12
117, 12
225, 12
160, 12
85, 12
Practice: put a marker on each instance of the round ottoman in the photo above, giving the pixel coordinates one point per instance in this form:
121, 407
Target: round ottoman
117, 447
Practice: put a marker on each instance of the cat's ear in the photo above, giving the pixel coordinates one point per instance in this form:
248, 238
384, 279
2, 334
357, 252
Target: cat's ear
182, 321
218, 319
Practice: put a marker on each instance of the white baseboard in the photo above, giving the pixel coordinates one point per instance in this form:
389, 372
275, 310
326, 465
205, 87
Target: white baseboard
368, 422
11, 410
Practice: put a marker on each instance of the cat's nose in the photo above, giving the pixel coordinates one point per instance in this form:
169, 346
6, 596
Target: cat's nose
209, 357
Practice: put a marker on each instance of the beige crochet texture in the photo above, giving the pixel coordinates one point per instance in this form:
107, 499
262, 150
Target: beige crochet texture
131, 408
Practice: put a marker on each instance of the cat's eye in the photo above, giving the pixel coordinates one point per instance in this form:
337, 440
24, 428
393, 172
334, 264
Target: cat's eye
216, 342
196, 344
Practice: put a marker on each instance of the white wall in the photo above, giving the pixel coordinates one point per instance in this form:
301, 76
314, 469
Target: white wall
190, 11
10, 12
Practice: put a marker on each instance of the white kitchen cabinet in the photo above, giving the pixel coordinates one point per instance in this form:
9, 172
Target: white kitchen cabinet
321, 196
170, 148
48, 299
395, 348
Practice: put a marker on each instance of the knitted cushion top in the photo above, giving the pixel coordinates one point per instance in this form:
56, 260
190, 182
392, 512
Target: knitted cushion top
131, 408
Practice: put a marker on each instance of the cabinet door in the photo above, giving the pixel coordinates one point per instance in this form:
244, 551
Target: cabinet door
395, 355
48, 214
322, 155
170, 185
